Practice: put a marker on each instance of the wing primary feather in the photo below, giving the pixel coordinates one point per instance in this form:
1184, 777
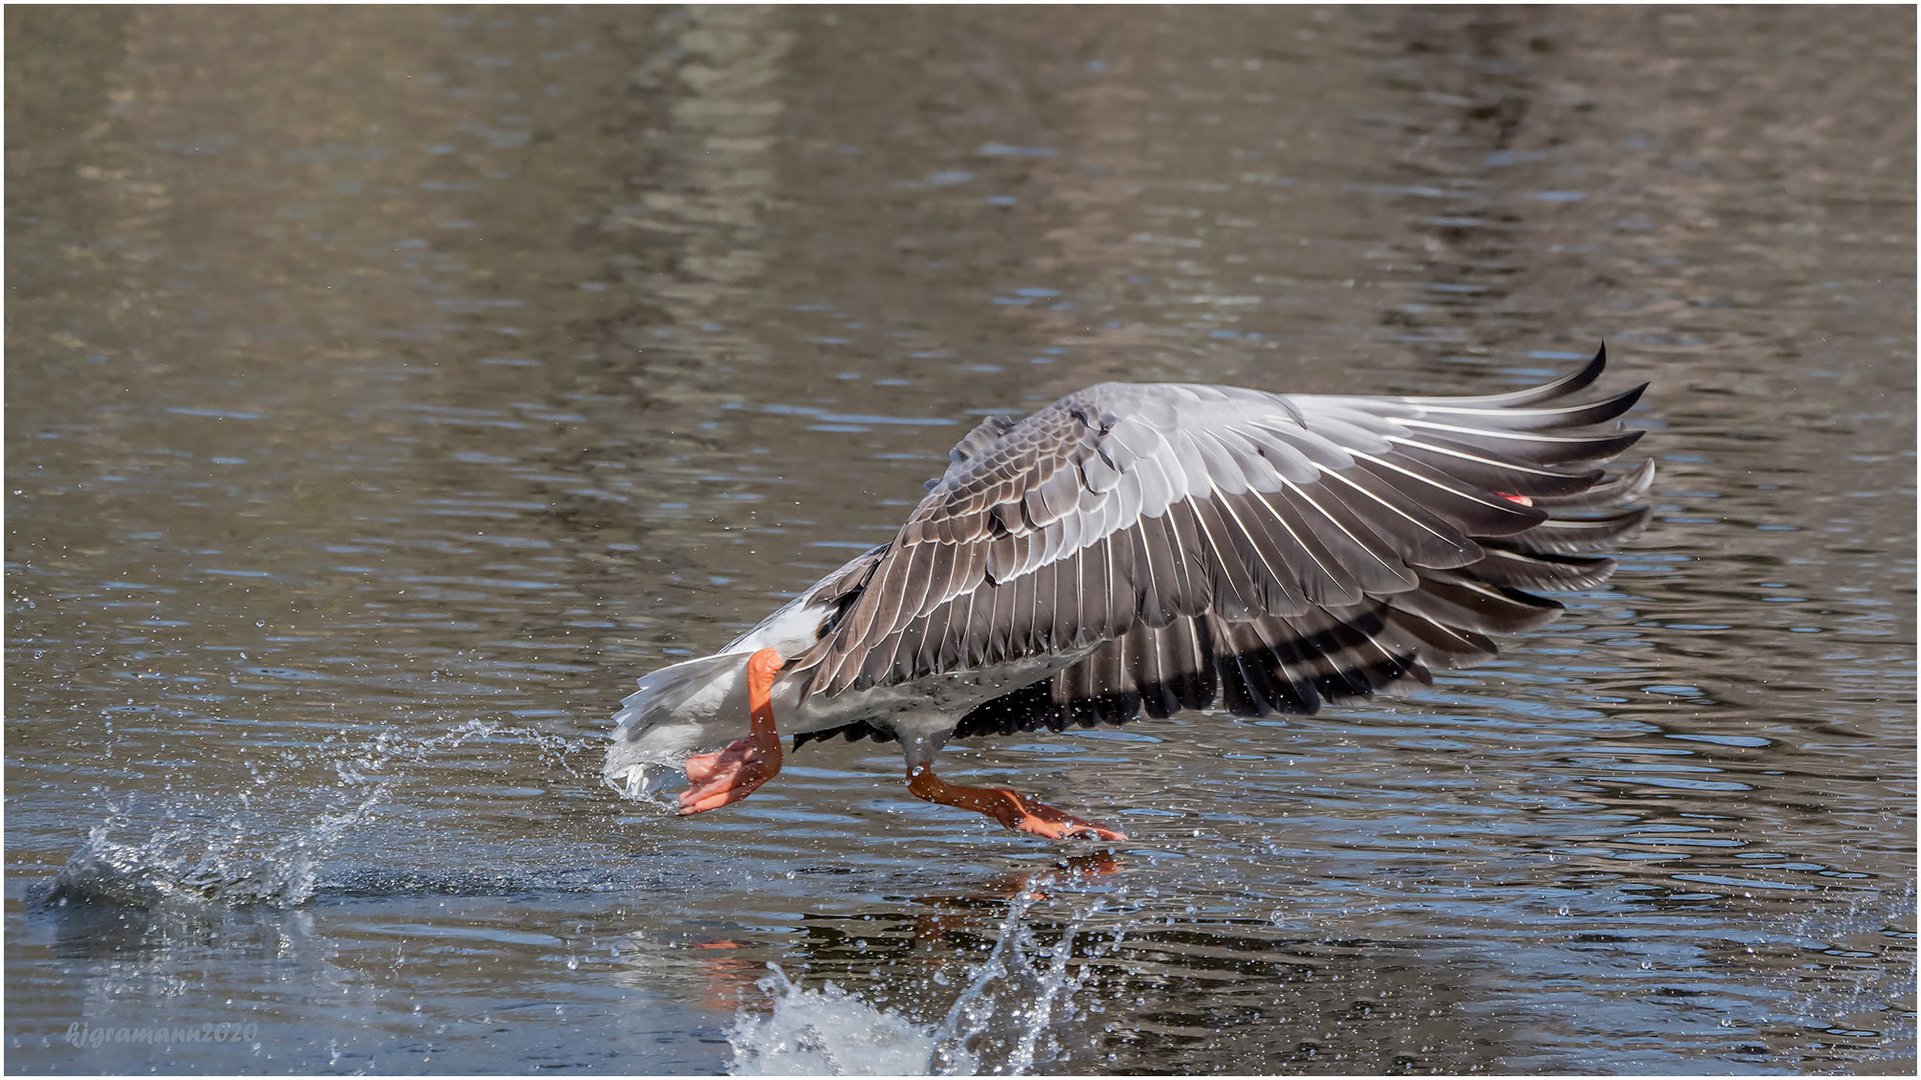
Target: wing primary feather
1558, 416
1394, 577
1554, 481
1546, 449
1533, 395
1625, 488
1451, 540
1497, 516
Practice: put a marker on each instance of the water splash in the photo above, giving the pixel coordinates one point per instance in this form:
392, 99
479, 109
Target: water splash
828, 1032
1005, 1021
226, 850
1010, 1008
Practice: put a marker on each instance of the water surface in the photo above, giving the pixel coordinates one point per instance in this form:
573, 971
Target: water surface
387, 388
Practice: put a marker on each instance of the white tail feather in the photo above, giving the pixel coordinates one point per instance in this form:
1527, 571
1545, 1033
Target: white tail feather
692, 706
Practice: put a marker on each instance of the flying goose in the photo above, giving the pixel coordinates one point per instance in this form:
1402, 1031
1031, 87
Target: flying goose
1154, 548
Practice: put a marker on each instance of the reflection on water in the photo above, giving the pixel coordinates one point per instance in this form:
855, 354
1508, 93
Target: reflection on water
388, 387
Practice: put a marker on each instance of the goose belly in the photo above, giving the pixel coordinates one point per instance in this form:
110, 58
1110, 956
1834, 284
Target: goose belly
935, 698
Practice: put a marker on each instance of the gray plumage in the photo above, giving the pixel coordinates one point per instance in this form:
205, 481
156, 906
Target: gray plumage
1202, 543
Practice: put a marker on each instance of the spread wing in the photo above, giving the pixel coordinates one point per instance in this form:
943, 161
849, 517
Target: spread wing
1163, 524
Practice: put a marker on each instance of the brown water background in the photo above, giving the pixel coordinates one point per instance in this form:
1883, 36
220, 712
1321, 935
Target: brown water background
386, 388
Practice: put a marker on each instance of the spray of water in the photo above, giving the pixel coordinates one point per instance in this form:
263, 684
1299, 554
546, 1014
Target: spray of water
1005, 1021
828, 1032
225, 849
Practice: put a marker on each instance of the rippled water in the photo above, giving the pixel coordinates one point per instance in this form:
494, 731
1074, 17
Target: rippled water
387, 388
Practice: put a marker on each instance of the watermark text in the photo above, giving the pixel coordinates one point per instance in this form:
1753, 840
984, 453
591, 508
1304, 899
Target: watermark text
87, 1037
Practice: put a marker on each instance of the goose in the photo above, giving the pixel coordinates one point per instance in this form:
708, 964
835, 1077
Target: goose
1151, 549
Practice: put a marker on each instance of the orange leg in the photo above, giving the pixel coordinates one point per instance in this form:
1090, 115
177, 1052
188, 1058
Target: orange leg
737, 771
1015, 812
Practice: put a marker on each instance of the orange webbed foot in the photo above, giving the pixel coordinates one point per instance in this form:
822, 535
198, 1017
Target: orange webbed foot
1010, 809
1041, 819
729, 775
739, 769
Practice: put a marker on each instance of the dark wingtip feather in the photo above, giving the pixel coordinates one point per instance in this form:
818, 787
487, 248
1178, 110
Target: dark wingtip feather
1598, 412
1621, 490
1567, 384
1629, 398
1534, 395
1605, 447
1577, 536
